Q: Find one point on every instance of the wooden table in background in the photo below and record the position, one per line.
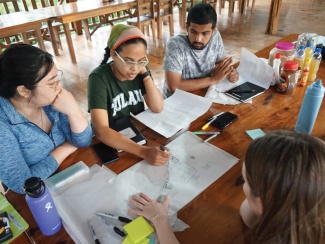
(19, 22)
(213, 216)
(80, 10)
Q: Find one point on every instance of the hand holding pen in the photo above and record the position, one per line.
(155, 156)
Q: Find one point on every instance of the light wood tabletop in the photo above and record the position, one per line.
(80, 10)
(213, 216)
(19, 22)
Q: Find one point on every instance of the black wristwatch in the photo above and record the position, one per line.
(145, 74)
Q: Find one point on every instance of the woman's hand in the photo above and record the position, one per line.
(147, 207)
(65, 102)
(155, 156)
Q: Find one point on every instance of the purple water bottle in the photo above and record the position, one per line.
(42, 206)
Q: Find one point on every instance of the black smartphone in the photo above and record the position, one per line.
(224, 120)
(105, 153)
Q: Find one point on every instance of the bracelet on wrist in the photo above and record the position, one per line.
(158, 216)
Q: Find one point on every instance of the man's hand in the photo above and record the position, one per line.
(221, 70)
(233, 76)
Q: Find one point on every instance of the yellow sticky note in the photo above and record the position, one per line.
(138, 230)
(128, 240)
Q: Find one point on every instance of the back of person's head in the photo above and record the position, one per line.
(123, 35)
(286, 170)
(202, 14)
(22, 64)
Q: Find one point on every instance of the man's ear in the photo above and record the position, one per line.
(23, 91)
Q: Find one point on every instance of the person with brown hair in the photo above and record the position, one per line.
(284, 175)
(41, 123)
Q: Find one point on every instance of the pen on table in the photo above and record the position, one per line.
(114, 228)
(120, 218)
(205, 133)
(243, 91)
(211, 137)
(212, 119)
(93, 233)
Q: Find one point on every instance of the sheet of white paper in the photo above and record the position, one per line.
(193, 166)
(251, 69)
(179, 110)
(255, 70)
(98, 191)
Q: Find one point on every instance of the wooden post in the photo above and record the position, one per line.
(272, 24)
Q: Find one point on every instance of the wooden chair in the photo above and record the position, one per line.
(231, 5)
(253, 3)
(110, 19)
(183, 12)
(144, 17)
(213, 3)
(164, 10)
(10, 6)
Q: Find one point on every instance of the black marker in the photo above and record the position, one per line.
(116, 229)
(93, 233)
(120, 218)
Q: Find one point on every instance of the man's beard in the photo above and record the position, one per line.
(198, 48)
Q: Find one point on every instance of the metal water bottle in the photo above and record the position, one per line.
(42, 206)
(310, 107)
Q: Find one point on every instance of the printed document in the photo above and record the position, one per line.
(179, 111)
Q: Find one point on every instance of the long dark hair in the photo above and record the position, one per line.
(120, 48)
(22, 64)
(286, 170)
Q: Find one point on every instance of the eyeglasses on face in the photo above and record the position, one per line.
(58, 78)
(132, 64)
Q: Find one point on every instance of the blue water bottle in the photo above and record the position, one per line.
(42, 206)
(310, 107)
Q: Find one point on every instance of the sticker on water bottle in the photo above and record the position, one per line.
(48, 206)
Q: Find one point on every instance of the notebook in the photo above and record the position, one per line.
(128, 129)
(12, 222)
(245, 91)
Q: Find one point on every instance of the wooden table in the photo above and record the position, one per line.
(213, 215)
(80, 10)
(19, 22)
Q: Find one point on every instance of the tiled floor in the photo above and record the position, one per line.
(237, 31)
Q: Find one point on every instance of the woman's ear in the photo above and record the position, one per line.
(23, 91)
(259, 205)
(112, 53)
